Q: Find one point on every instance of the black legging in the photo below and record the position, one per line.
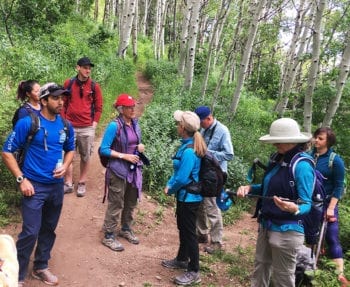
(186, 213)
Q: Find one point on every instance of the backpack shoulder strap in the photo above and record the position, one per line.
(34, 126)
(65, 127)
(71, 81)
(119, 127)
(301, 156)
(93, 89)
(331, 159)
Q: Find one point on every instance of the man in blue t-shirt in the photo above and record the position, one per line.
(40, 179)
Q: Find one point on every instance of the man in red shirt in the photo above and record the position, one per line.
(83, 108)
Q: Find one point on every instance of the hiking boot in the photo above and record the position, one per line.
(20, 284)
(46, 276)
(81, 189)
(187, 278)
(175, 264)
(202, 238)
(68, 188)
(213, 247)
(113, 244)
(129, 235)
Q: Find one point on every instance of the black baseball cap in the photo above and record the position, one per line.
(85, 61)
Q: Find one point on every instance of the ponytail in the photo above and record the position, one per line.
(25, 87)
(199, 145)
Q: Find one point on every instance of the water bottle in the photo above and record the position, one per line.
(223, 201)
(59, 163)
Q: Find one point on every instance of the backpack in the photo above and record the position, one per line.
(211, 178)
(105, 159)
(312, 221)
(330, 165)
(93, 93)
(34, 128)
(15, 116)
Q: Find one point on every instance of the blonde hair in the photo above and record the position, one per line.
(199, 145)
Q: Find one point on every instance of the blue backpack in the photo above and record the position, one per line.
(312, 221)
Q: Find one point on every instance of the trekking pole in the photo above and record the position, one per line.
(320, 240)
(234, 193)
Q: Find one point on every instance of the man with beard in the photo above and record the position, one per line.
(40, 180)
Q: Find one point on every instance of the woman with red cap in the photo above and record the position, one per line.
(121, 142)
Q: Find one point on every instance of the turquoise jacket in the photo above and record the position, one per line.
(186, 166)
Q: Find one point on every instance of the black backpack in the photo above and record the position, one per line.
(211, 178)
(105, 159)
(15, 116)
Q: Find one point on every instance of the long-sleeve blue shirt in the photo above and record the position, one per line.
(218, 140)
(334, 176)
(186, 166)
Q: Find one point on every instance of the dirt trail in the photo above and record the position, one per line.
(79, 259)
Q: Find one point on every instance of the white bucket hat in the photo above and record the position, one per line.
(285, 130)
(189, 120)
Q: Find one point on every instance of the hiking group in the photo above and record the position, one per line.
(55, 120)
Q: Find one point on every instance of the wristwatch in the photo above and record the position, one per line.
(20, 178)
(120, 155)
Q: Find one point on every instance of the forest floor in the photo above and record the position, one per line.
(79, 259)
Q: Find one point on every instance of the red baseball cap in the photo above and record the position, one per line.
(124, 100)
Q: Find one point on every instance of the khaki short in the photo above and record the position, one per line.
(84, 142)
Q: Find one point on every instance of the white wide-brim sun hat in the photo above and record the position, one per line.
(285, 130)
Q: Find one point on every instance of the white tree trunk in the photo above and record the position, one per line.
(143, 12)
(96, 11)
(134, 33)
(192, 43)
(246, 55)
(128, 15)
(292, 60)
(344, 68)
(158, 35)
(312, 77)
(184, 38)
(220, 20)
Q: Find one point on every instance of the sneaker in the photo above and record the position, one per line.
(113, 244)
(20, 284)
(68, 187)
(81, 189)
(46, 276)
(187, 278)
(129, 235)
(175, 264)
(213, 247)
(202, 238)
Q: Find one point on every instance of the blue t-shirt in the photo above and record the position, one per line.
(44, 150)
(24, 111)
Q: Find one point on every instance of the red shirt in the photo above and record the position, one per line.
(78, 109)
